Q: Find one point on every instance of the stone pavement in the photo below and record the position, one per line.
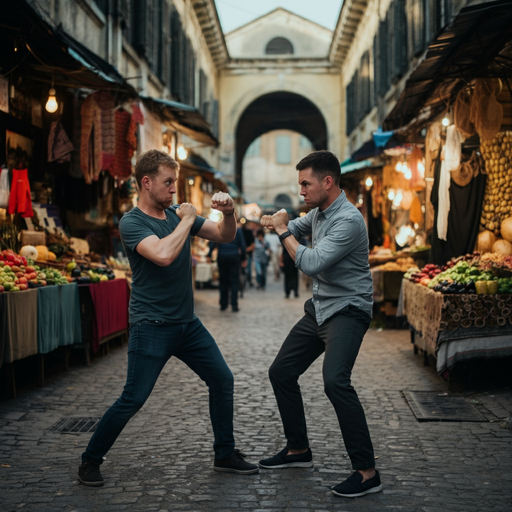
(163, 460)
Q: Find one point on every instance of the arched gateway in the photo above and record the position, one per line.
(278, 111)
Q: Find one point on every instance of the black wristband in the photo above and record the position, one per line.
(284, 235)
(230, 214)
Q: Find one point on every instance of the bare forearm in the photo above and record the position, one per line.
(167, 249)
(227, 228)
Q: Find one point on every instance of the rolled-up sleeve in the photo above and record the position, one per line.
(342, 238)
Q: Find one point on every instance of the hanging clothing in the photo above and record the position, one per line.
(451, 161)
(20, 200)
(463, 220)
(106, 104)
(59, 145)
(4, 188)
(90, 147)
(123, 164)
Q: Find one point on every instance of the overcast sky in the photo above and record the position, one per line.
(235, 13)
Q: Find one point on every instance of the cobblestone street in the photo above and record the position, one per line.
(164, 458)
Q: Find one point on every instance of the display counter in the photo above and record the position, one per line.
(457, 328)
(39, 321)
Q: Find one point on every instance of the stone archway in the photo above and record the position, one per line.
(279, 110)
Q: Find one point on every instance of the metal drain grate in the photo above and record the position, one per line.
(433, 406)
(78, 425)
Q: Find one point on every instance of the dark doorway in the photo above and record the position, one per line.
(278, 111)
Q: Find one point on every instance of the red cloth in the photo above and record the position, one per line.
(20, 200)
(110, 299)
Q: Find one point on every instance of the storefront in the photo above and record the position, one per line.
(71, 128)
(456, 112)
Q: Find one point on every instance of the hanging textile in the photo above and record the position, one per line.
(126, 140)
(90, 148)
(59, 145)
(20, 200)
(4, 188)
(106, 104)
(450, 162)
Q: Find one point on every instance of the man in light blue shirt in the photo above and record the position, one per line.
(335, 321)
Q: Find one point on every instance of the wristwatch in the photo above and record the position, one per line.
(284, 235)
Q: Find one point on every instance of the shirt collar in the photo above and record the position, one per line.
(335, 206)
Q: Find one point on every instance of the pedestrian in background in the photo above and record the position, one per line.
(261, 259)
(273, 241)
(229, 260)
(335, 321)
(156, 237)
(249, 249)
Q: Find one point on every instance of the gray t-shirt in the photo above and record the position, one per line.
(158, 293)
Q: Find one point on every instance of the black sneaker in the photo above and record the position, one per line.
(235, 463)
(281, 460)
(353, 486)
(89, 474)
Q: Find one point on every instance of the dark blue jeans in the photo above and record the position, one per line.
(340, 338)
(151, 345)
(261, 273)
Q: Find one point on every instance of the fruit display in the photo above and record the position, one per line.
(18, 274)
(85, 275)
(487, 274)
(497, 154)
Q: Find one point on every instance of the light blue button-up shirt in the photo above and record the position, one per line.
(337, 259)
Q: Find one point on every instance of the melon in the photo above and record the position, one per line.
(29, 252)
(42, 252)
(502, 247)
(506, 229)
(485, 241)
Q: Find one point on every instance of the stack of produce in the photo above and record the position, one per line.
(84, 275)
(497, 154)
(18, 274)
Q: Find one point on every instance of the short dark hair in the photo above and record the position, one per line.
(323, 163)
(148, 164)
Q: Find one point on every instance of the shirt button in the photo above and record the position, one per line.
(318, 302)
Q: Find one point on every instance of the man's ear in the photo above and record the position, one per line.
(145, 182)
(328, 182)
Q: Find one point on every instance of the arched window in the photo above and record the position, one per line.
(279, 46)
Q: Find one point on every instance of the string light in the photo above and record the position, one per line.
(391, 195)
(445, 121)
(52, 105)
(408, 174)
(369, 181)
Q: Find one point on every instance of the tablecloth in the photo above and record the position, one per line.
(110, 299)
(455, 328)
(19, 325)
(58, 317)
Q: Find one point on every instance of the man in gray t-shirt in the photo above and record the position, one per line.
(156, 237)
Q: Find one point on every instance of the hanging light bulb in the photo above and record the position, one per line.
(398, 167)
(391, 195)
(445, 121)
(51, 104)
(369, 181)
(408, 174)
(182, 153)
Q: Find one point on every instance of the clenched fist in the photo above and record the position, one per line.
(187, 211)
(223, 202)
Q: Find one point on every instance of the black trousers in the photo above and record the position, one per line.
(340, 337)
(229, 280)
